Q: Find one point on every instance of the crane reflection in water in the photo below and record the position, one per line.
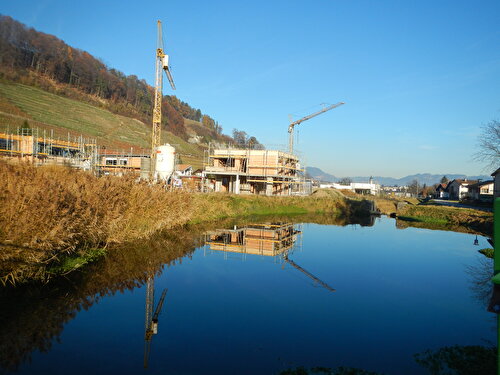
(270, 239)
(151, 325)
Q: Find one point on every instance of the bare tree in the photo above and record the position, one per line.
(489, 145)
(413, 187)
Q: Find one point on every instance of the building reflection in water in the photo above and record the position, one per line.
(259, 239)
(276, 240)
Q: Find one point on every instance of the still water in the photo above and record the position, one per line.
(259, 299)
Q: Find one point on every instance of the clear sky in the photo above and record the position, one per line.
(419, 78)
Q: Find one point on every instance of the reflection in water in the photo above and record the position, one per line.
(262, 239)
(459, 360)
(33, 317)
(270, 239)
(328, 371)
(480, 275)
(469, 359)
(151, 325)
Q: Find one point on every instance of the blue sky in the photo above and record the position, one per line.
(419, 78)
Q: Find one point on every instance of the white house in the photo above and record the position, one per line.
(481, 191)
(442, 191)
(459, 189)
(496, 184)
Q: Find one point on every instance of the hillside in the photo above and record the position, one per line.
(61, 115)
(63, 89)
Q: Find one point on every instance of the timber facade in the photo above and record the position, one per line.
(266, 172)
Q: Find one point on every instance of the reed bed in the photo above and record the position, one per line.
(48, 213)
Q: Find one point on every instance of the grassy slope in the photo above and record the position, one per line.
(62, 115)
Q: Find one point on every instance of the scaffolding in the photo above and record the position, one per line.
(43, 147)
(250, 171)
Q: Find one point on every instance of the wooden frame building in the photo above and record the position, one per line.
(266, 172)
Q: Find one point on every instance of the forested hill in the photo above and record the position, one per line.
(34, 58)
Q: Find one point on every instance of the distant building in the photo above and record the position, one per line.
(496, 184)
(266, 172)
(442, 191)
(459, 189)
(481, 191)
(358, 187)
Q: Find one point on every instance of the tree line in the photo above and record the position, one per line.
(24, 50)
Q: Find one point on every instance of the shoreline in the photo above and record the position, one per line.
(54, 220)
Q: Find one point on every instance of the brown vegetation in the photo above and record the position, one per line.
(48, 213)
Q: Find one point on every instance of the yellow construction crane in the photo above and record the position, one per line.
(161, 64)
(292, 124)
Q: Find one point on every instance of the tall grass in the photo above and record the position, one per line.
(51, 212)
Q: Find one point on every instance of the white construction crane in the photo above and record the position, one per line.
(161, 64)
(292, 124)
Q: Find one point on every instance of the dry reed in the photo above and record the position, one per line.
(48, 212)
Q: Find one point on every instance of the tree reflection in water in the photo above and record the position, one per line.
(328, 371)
(472, 359)
(32, 316)
(460, 360)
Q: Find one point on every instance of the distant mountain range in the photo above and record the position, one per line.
(422, 178)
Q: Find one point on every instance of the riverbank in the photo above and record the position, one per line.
(412, 212)
(439, 217)
(51, 214)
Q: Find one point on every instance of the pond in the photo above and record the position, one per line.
(258, 298)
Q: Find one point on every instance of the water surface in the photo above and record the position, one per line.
(228, 311)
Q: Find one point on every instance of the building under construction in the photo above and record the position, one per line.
(247, 171)
(120, 163)
(42, 147)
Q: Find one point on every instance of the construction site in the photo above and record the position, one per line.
(246, 171)
(41, 147)
(227, 169)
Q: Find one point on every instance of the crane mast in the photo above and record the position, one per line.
(292, 124)
(161, 64)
